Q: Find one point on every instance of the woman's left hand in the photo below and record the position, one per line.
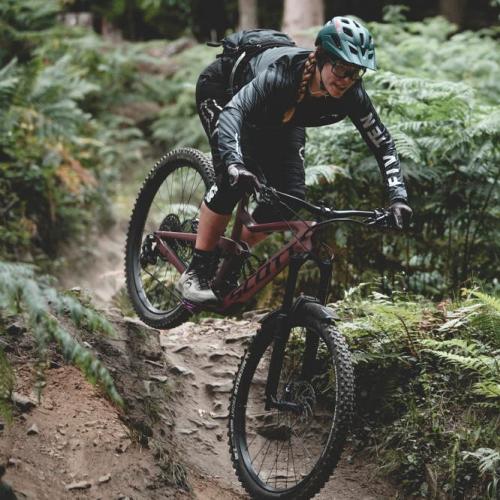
(402, 213)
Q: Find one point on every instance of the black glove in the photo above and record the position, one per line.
(402, 213)
(239, 175)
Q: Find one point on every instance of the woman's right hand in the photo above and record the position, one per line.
(240, 176)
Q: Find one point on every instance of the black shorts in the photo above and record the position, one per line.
(277, 153)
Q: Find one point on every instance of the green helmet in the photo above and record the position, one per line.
(346, 39)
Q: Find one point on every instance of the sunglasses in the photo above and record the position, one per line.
(342, 70)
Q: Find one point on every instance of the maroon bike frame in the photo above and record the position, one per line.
(301, 243)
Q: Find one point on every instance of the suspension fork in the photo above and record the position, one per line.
(312, 340)
(281, 325)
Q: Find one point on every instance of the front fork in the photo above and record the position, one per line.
(281, 325)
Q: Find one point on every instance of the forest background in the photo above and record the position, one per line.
(91, 93)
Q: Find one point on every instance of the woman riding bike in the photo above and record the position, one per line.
(261, 129)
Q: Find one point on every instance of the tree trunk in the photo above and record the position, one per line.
(248, 14)
(453, 10)
(299, 15)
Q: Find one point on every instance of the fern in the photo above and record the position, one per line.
(474, 358)
(318, 174)
(21, 291)
(488, 461)
(6, 384)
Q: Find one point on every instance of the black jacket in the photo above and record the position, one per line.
(268, 88)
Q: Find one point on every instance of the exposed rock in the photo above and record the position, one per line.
(180, 370)
(215, 356)
(33, 430)
(181, 348)
(104, 479)
(187, 432)
(219, 387)
(159, 378)
(210, 425)
(219, 415)
(223, 374)
(208, 321)
(81, 485)
(154, 363)
(122, 447)
(15, 329)
(243, 338)
(24, 403)
(195, 422)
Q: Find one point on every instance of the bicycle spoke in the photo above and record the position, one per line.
(173, 207)
(264, 459)
(285, 446)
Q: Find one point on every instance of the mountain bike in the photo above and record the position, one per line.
(292, 398)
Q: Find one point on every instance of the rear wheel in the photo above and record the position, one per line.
(290, 452)
(169, 200)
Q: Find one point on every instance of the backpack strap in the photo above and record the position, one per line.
(247, 54)
(236, 65)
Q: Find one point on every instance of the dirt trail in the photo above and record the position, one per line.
(205, 356)
(99, 268)
(176, 384)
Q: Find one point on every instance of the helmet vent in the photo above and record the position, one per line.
(345, 21)
(357, 25)
(348, 31)
(336, 40)
(362, 38)
(354, 50)
(370, 55)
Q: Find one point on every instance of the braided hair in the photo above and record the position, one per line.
(307, 74)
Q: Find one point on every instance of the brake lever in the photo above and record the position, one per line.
(382, 218)
(264, 194)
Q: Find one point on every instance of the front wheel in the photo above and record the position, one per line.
(284, 454)
(169, 200)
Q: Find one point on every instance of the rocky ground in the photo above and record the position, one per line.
(170, 442)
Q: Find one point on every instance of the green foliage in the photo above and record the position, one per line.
(146, 19)
(6, 384)
(428, 388)
(178, 123)
(23, 292)
(24, 24)
(437, 93)
(61, 149)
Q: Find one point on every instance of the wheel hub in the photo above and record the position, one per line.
(303, 395)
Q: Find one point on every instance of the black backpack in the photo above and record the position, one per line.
(239, 47)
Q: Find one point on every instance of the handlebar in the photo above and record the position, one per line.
(378, 218)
